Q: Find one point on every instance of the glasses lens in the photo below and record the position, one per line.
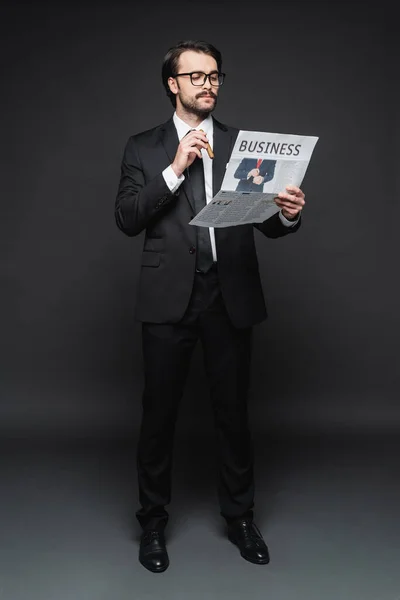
(197, 78)
(214, 79)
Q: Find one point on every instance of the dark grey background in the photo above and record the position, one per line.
(78, 80)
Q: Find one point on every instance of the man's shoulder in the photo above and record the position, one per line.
(149, 135)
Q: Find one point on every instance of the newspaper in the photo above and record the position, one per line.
(261, 165)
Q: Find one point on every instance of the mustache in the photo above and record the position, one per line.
(206, 94)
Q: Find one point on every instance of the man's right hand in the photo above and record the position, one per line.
(253, 173)
(189, 147)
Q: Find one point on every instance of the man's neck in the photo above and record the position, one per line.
(190, 118)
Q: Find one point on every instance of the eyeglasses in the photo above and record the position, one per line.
(199, 78)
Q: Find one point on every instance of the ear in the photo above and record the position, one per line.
(173, 86)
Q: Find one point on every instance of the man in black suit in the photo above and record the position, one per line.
(195, 283)
(253, 173)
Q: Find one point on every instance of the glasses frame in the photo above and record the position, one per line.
(206, 75)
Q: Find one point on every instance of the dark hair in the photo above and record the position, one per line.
(171, 59)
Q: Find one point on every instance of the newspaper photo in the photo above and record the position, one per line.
(262, 165)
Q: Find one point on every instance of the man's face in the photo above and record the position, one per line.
(199, 100)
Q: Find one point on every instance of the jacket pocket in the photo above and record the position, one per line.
(150, 259)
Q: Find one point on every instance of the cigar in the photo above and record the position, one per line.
(209, 150)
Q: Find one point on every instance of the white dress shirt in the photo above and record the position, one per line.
(173, 182)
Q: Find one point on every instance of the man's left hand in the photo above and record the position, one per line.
(291, 202)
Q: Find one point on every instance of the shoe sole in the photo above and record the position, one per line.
(255, 562)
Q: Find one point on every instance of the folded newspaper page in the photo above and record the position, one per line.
(262, 165)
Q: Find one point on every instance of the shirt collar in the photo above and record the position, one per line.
(182, 128)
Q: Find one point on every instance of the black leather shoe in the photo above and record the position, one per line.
(247, 537)
(153, 552)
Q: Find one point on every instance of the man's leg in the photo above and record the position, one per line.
(167, 350)
(227, 353)
(227, 356)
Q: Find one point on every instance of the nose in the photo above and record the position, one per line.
(207, 84)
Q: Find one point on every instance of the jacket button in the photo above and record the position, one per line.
(192, 250)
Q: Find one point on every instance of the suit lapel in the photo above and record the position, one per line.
(170, 141)
(223, 145)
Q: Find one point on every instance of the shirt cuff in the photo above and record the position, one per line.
(171, 179)
(286, 221)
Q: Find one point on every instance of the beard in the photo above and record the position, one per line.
(192, 104)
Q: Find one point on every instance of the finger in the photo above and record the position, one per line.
(197, 135)
(199, 139)
(201, 132)
(291, 198)
(287, 206)
(290, 206)
(288, 197)
(196, 151)
(294, 190)
(195, 143)
(187, 144)
(293, 212)
(195, 132)
(279, 202)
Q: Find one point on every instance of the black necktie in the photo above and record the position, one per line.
(204, 257)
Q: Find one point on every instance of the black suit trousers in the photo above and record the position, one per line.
(167, 351)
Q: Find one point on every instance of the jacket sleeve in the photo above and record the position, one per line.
(243, 169)
(269, 170)
(138, 202)
(274, 228)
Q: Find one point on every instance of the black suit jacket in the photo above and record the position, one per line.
(145, 203)
(267, 170)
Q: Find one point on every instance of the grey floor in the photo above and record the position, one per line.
(327, 507)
